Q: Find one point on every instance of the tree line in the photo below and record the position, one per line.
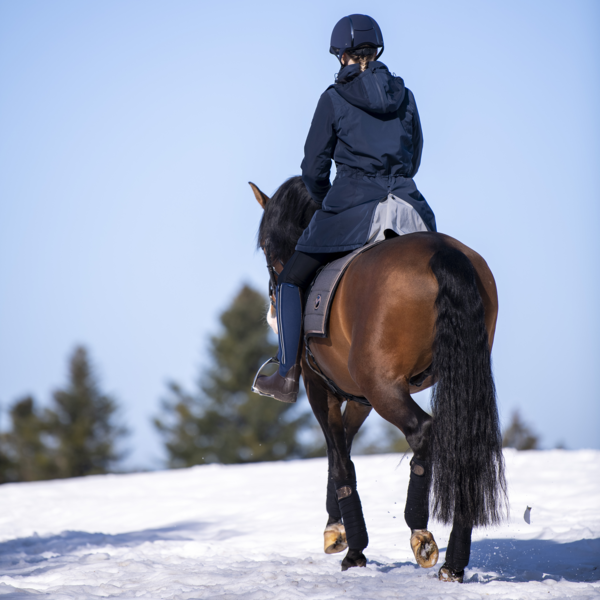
(81, 430)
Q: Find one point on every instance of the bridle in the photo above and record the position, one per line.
(272, 283)
(273, 276)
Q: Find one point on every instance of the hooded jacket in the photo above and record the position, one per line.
(369, 125)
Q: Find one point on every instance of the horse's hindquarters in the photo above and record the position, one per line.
(383, 314)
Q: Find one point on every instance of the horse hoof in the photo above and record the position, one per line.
(354, 558)
(335, 538)
(424, 547)
(447, 574)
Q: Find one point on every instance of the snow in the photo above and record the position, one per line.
(255, 532)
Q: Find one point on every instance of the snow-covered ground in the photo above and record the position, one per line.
(254, 532)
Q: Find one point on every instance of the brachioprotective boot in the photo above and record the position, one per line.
(284, 384)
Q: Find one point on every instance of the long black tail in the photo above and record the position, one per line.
(468, 484)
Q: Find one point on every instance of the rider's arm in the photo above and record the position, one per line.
(318, 150)
(417, 138)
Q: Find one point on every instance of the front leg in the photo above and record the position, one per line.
(335, 533)
(354, 523)
(342, 493)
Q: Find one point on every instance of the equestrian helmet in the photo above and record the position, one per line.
(354, 31)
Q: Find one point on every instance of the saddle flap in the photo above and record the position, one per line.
(320, 296)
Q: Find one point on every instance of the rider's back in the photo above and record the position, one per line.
(376, 123)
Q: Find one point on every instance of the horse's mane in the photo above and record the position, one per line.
(286, 216)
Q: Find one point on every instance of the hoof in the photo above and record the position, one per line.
(447, 574)
(424, 547)
(354, 558)
(335, 538)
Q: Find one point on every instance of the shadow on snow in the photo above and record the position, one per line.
(35, 554)
(534, 560)
(507, 560)
(519, 561)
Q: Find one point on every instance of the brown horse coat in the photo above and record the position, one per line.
(386, 300)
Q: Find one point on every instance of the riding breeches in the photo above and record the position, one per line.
(300, 269)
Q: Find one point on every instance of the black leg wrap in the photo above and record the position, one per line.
(352, 516)
(332, 506)
(459, 548)
(416, 513)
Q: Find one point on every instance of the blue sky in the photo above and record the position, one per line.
(129, 131)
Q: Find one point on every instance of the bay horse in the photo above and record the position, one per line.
(416, 310)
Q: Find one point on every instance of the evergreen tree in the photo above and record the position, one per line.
(26, 454)
(82, 420)
(519, 435)
(224, 421)
(6, 465)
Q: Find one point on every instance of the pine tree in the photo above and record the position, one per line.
(519, 435)
(224, 421)
(6, 465)
(27, 453)
(83, 422)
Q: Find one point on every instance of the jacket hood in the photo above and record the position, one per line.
(375, 89)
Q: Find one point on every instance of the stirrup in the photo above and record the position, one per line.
(273, 360)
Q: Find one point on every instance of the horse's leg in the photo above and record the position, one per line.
(335, 534)
(327, 409)
(355, 415)
(394, 403)
(457, 555)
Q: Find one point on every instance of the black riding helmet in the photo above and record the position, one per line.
(354, 31)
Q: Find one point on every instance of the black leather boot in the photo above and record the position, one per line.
(284, 389)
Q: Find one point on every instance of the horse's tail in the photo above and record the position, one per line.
(468, 484)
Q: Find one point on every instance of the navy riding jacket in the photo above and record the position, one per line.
(368, 123)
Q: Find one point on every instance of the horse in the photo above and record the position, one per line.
(415, 311)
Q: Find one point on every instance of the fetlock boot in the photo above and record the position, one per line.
(284, 384)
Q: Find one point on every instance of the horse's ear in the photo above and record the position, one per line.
(261, 198)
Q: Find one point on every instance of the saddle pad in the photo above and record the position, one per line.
(320, 296)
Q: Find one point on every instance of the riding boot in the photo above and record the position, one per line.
(284, 384)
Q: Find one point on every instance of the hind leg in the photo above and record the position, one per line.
(457, 555)
(394, 403)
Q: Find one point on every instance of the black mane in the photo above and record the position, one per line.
(286, 216)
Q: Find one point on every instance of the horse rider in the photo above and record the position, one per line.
(368, 123)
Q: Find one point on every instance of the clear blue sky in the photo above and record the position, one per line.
(129, 130)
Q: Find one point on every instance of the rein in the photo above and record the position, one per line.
(272, 284)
